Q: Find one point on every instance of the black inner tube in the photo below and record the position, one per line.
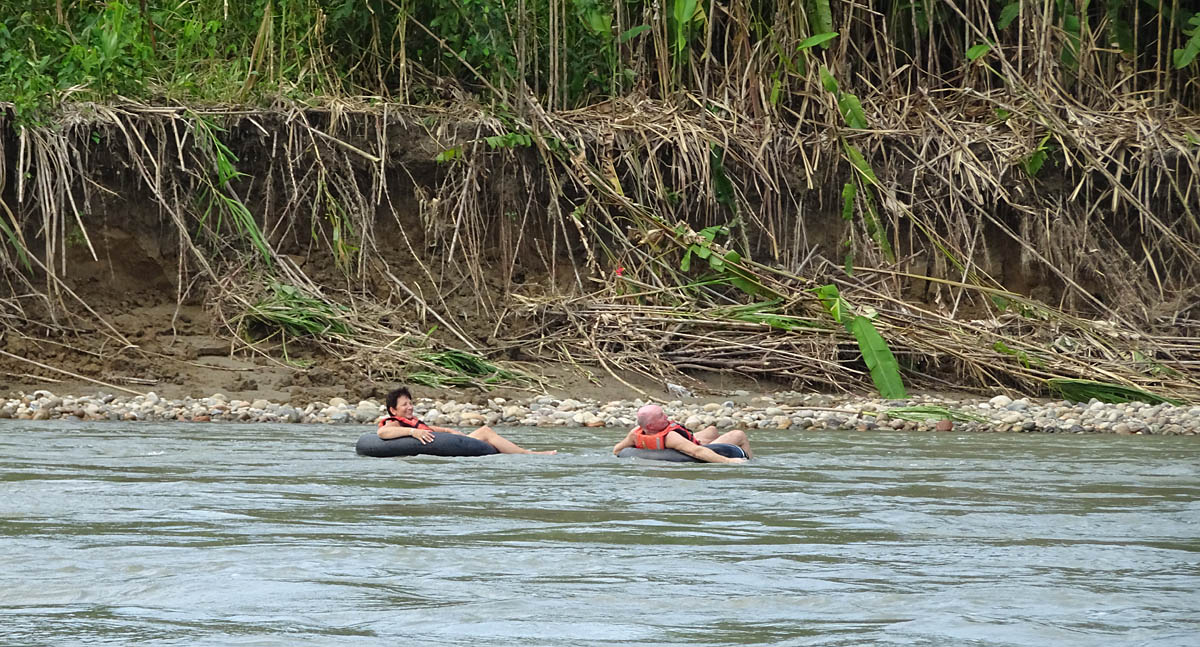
(443, 444)
(724, 449)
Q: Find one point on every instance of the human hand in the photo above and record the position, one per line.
(735, 460)
(423, 435)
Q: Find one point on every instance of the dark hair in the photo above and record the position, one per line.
(394, 396)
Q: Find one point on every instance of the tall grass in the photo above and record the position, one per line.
(571, 53)
(700, 146)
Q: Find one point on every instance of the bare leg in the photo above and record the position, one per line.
(504, 445)
(707, 435)
(735, 437)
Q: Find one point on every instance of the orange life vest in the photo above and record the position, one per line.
(646, 440)
(411, 423)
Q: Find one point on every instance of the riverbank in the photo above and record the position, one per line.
(783, 411)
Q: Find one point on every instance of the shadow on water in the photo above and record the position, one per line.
(276, 534)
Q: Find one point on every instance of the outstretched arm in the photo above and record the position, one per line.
(627, 441)
(698, 452)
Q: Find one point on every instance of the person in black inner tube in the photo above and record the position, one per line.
(401, 422)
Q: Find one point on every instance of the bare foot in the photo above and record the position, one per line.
(549, 453)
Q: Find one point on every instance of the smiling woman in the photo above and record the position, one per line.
(401, 433)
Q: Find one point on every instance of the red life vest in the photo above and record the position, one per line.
(411, 423)
(646, 440)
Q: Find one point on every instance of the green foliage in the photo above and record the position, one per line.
(722, 187)
(107, 54)
(976, 51)
(683, 13)
(767, 312)
(1024, 358)
(820, 16)
(885, 370)
(726, 265)
(1033, 163)
(567, 52)
(458, 368)
(508, 140)
(11, 235)
(1086, 390)
(932, 412)
(1184, 56)
(218, 199)
(289, 312)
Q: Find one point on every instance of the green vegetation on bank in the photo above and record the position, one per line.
(566, 53)
(681, 157)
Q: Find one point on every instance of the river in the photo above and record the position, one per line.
(195, 534)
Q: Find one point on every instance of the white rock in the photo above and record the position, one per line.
(1000, 401)
(338, 402)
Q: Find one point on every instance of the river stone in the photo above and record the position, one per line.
(695, 423)
(1000, 401)
(260, 404)
(1011, 418)
(338, 402)
(781, 422)
(569, 405)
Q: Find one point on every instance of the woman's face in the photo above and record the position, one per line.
(403, 408)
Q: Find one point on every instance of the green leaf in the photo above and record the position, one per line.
(448, 155)
(885, 370)
(932, 412)
(1034, 162)
(633, 32)
(834, 304)
(859, 162)
(852, 111)
(820, 16)
(976, 51)
(686, 263)
(722, 187)
(828, 81)
(1084, 390)
(813, 41)
(1008, 14)
(849, 192)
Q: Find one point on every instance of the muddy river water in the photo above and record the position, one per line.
(193, 534)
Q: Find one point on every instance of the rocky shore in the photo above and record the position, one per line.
(779, 411)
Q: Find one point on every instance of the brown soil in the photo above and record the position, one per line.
(175, 359)
(176, 350)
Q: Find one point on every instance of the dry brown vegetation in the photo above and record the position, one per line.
(1004, 218)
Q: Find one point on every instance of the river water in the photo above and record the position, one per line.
(193, 534)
